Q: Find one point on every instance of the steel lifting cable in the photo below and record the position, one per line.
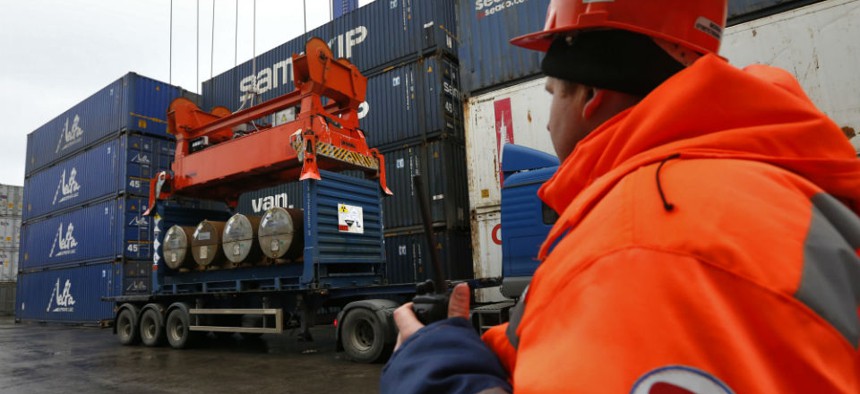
(212, 45)
(170, 45)
(236, 38)
(197, 83)
(254, 54)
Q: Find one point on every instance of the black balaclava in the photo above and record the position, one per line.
(610, 59)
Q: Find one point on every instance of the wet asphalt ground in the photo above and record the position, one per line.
(39, 359)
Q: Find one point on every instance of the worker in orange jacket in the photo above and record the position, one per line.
(708, 234)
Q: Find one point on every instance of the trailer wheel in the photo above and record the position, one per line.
(178, 329)
(126, 327)
(152, 328)
(363, 337)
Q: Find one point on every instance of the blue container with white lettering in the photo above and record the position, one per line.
(108, 229)
(413, 103)
(121, 166)
(487, 60)
(131, 103)
(69, 294)
(374, 37)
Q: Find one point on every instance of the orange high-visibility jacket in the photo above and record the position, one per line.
(707, 242)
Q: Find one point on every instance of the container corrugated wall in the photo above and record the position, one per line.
(378, 35)
(10, 228)
(287, 195)
(8, 265)
(121, 166)
(11, 200)
(7, 298)
(103, 230)
(442, 164)
(132, 103)
(486, 57)
(68, 295)
(408, 261)
(414, 102)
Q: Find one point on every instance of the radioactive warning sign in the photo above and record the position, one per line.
(350, 219)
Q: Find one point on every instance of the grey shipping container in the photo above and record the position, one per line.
(132, 102)
(120, 166)
(10, 230)
(373, 37)
(442, 164)
(414, 102)
(68, 295)
(408, 260)
(11, 200)
(8, 265)
(7, 298)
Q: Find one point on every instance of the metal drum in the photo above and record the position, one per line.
(175, 249)
(206, 243)
(280, 233)
(239, 239)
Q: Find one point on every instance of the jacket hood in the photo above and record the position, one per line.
(709, 110)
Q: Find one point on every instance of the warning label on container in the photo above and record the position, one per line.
(350, 219)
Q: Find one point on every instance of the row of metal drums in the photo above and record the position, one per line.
(277, 235)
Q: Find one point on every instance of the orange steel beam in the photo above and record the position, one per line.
(230, 164)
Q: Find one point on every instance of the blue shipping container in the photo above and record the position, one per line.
(442, 164)
(487, 60)
(413, 103)
(109, 229)
(68, 295)
(131, 103)
(373, 37)
(121, 166)
(408, 261)
(341, 7)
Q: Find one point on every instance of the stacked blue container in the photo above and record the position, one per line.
(413, 114)
(84, 236)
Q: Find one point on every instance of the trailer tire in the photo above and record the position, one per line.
(178, 328)
(363, 337)
(127, 328)
(152, 328)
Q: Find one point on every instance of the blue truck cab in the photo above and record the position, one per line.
(526, 220)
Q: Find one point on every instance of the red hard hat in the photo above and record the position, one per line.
(695, 24)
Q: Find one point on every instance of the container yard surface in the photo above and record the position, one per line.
(63, 359)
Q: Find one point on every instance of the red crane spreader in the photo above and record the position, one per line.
(220, 155)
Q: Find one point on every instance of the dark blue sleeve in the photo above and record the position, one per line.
(447, 356)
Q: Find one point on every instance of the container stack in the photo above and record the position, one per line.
(86, 186)
(11, 202)
(413, 115)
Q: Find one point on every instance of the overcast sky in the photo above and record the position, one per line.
(55, 53)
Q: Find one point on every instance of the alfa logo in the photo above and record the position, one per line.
(70, 135)
(138, 221)
(64, 243)
(62, 302)
(141, 159)
(67, 189)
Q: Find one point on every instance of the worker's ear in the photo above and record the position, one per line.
(592, 102)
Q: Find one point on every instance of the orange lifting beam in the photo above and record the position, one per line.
(216, 161)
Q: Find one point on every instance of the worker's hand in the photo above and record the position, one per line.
(408, 324)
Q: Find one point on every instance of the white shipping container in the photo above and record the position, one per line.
(487, 250)
(517, 114)
(7, 232)
(5, 200)
(19, 201)
(819, 44)
(8, 265)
